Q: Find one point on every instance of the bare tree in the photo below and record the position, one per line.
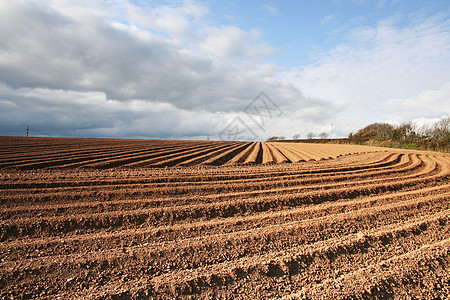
(323, 135)
(441, 130)
(296, 136)
(275, 138)
(310, 135)
(385, 131)
(402, 131)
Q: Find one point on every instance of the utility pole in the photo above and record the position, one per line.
(28, 129)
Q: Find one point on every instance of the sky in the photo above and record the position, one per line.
(230, 70)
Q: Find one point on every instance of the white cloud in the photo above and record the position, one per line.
(272, 10)
(122, 60)
(178, 21)
(427, 103)
(424, 123)
(327, 19)
(92, 74)
(391, 71)
(231, 41)
(112, 68)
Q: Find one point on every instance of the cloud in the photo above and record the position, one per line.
(272, 10)
(69, 70)
(231, 41)
(178, 21)
(429, 103)
(327, 19)
(51, 50)
(394, 70)
(425, 123)
(113, 68)
(51, 112)
(70, 113)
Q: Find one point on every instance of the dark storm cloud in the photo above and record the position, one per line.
(62, 113)
(75, 72)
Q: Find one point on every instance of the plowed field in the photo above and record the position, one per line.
(147, 219)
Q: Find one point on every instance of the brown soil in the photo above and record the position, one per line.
(136, 219)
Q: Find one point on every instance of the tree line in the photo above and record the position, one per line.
(406, 135)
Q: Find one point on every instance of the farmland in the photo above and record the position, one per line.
(160, 219)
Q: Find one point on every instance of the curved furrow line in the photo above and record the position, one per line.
(32, 147)
(189, 157)
(201, 252)
(300, 262)
(130, 148)
(133, 204)
(207, 229)
(18, 158)
(386, 160)
(202, 158)
(171, 158)
(242, 156)
(167, 185)
(444, 162)
(275, 189)
(105, 159)
(263, 185)
(118, 161)
(289, 154)
(278, 157)
(63, 144)
(209, 210)
(328, 150)
(152, 202)
(303, 155)
(57, 159)
(318, 152)
(293, 262)
(267, 157)
(48, 162)
(227, 155)
(407, 276)
(242, 220)
(41, 159)
(254, 157)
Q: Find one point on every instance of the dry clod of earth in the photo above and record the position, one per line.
(155, 219)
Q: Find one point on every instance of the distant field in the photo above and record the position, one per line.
(36, 153)
(148, 219)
